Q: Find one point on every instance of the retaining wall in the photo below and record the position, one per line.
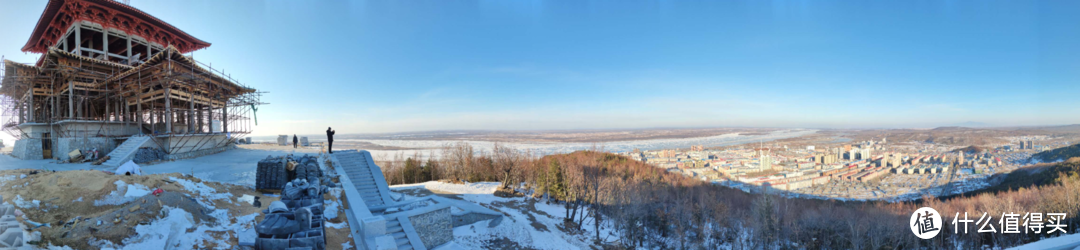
(434, 228)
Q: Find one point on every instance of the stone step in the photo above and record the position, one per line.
(394, 229)
(372, 201)
(125, 151)
(402, 241)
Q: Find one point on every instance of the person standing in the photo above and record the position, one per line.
(330, 140)
(294, 141)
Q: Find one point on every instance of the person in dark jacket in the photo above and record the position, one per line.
(294, 141)
(330, 140)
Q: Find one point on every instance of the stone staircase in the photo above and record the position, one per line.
(393, 228)
(126, 151)
(365, 176)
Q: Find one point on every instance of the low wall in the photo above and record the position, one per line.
(470, 218)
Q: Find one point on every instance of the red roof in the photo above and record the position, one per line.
(60, 14)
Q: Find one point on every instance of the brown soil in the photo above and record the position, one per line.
(335, 236)
(57, 192)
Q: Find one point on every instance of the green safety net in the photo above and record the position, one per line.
(254, 113)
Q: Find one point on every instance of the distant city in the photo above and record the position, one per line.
(866, 170)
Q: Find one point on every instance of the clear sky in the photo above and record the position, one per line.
(413, 65)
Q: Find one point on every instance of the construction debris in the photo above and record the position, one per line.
(102, 160)
(75, 156)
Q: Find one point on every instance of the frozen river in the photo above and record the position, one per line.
(616, 146)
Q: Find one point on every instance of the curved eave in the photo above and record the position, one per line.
(54, 6)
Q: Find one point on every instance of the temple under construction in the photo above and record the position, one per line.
(116, 79)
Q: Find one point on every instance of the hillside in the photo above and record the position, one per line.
(1033, 176)
(1058, 154)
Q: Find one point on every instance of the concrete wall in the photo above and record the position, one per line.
(192, 143)
(34, 130)
(197, 153)
(470, 218)
(27, 149)
(98, 128)
(63, 146)
(434, 228)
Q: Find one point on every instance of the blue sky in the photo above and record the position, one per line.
(392, 66)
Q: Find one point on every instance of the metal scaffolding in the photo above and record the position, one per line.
(167, 95)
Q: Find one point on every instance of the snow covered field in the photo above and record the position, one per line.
(529, 223)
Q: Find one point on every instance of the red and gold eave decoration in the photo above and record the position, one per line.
(60, 14)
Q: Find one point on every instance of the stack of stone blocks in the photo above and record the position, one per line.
(302, 197)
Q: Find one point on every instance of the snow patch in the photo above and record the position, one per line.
(164, 233)
(331, 211)
(206, 193)
(338, 225)
(467, 188)
(170, 232)
(20, 202)
(1063, 242)
(201, 189)
(124, 193)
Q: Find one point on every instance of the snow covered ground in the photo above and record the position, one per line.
(234, 166)
(529, 223)
(1066, 242)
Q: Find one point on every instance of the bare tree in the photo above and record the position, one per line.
(506, 160)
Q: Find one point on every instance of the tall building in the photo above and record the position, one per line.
(697, 148)
(896, 160)
(764, 160)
